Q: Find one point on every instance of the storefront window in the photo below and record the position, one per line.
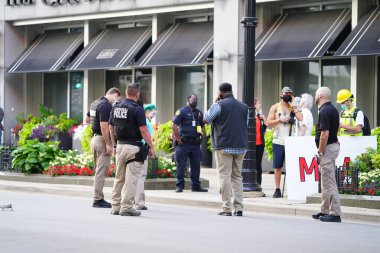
(144, 78)
(189, 80)
(336, 74)
(302, 77)
(119, 79)
(76, 96)
(55, 91)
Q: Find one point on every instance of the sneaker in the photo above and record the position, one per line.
(101, 204)
(178, 189)
(199, 189)
(238, 213)
(132, 212)
(277, 193)
(141, 208)
(330, 218)
(225, 213)
(115, 212)
(316, 216)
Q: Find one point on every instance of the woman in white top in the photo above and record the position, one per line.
(306, 125)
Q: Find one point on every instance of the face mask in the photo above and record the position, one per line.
(344, 107)
(287, 98)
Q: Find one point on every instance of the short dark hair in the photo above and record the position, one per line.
(225, 87)
(113, 90)
(133, 89)
(189, 96)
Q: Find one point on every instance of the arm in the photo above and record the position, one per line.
(323, 141)
(298, 114)
(271, 120)
(106, 136)
(176, 133)
(146, 135)
(303, 130)
(113, 138)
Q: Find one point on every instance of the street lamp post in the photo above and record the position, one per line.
(249, 22)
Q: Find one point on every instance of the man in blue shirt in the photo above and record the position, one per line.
(189, 120)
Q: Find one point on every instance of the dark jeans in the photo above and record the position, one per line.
(259, 159)
(193, 153)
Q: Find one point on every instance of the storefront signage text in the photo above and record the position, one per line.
(52, 3)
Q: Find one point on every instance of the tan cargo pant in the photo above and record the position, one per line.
(126, 177)
(101, 164)
(231, 180)
(330, 194)
(140, 190)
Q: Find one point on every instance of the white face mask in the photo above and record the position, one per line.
(153, 121)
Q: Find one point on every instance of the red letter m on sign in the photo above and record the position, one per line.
(309, 170)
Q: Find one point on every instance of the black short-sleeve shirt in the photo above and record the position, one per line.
(104, 110)
(328, 119)
(184, 118)
(138, 113)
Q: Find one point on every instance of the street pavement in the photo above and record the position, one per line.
(211, 199)
(49, 223)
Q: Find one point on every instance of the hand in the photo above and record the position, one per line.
(218, 99)
(151, 153)
(114, 151)
(341, 126)
(179, 142)
(109, 149)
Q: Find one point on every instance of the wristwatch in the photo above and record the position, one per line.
(320, 153)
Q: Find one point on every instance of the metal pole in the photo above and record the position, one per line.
(249, 171)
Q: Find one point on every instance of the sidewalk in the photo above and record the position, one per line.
(263, 205)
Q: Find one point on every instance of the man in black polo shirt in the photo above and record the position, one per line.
(328, 150)
(101, 147)
(128, 128)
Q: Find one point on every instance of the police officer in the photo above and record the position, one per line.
(100, 143)
(128, 128)
(350, 124)
(190, 122)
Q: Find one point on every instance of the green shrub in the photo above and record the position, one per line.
(208, 137)
(86, 139)
(364, 162)
(162, 138)
(376, 131)
(35, 156)
(25, 132)
(268, 138)
(64, 124)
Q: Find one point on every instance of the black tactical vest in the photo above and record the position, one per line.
(122, 117)
(94, 115)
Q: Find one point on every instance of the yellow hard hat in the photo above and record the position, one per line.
(343, 95)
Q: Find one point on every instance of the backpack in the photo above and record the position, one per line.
(366, 128)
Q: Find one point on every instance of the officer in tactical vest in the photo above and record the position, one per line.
(101, 146)
(349, 124)
(191, 126)
(128, 128)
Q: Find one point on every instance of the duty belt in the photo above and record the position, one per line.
(134, 143)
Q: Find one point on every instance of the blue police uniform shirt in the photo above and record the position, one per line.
(184, 118)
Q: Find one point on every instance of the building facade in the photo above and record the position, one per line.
(66, 53)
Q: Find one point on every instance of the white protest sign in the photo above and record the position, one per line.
(302, 168)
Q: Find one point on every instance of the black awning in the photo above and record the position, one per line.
(49, 52)
(181, 44)
(365, 38)
(301, 35)
(113, 48)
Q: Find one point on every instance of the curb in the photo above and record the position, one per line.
(298, 210)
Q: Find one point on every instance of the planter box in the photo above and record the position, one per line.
(66, 141)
